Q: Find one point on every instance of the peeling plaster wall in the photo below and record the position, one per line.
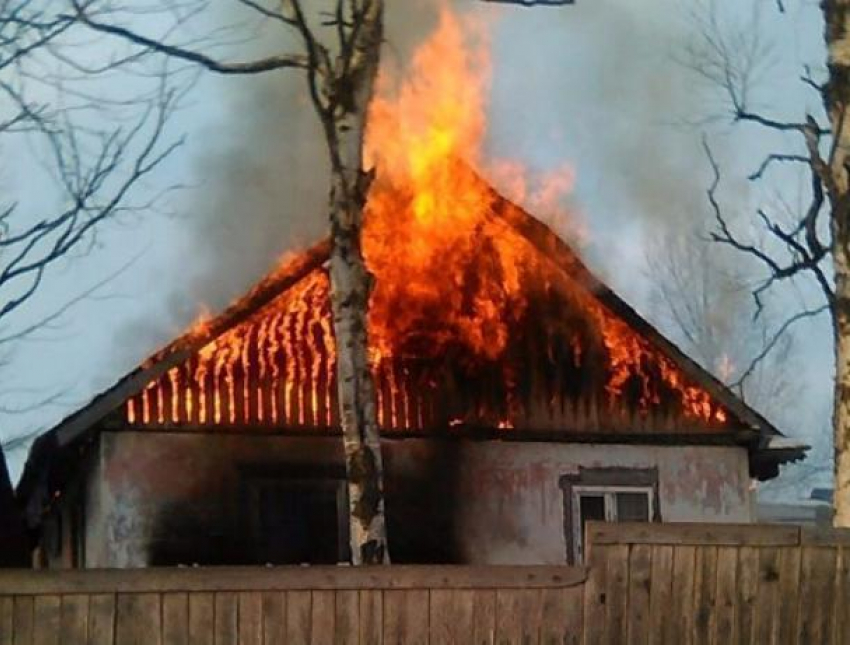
(164, 498)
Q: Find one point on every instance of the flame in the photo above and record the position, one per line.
(461, 297)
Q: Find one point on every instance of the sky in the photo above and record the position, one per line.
(598, 85)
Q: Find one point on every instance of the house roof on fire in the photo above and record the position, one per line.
(661, 374)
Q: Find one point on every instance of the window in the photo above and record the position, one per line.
(297, 520)
(607, 504)
(607, 495)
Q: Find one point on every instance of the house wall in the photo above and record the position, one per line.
(166, 498)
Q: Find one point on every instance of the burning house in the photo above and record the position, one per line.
(517, 395)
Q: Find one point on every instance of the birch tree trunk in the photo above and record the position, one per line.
(351, 285)
(836, 96)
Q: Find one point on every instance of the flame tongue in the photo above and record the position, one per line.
(429, 238)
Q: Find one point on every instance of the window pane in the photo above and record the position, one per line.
(632, 507)
(591, 507)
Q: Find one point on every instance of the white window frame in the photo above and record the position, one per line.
(609, 494)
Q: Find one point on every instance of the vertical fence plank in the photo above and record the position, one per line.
(705, 588)
(561, 616)
(594, 597)
(484, 617)
(681, 612)
(7, 619)
(250, 618)
(726, 622)
(508, 617)
(323, 616)
(817, 582)
(226, 617)
(274, 617)
(137, 619)
(842, 616)
(371, 617)
(23, 630)
(789, 590)
(640, 570)
(451, 613)
(347, 618)
(47, 612)
(747, 587)
(201, 618)
(616, 581)
(74, 619)
(102, 619)
(766, 614)
(660, 599)
(298, 617)
(405, 617)
(175, 619)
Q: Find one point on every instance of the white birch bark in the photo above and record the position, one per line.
(836, 96)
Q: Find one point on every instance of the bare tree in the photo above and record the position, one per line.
(813, 239)
(90, 172)
(701, 297)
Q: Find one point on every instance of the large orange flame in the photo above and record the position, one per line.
(460, 294)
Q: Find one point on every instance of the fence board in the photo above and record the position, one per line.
(322, 618)
(47, 613)
(705, 588)
(250, 618)
(299, 617)
(137, 619)
(274, 617)
(817, 580)
(484, 617)
(74, 619)
(346, 618)
(561, 616)
(451, 613)
(7, 619)
(680, 614)
(405, 617)
(661, 576)
(102, 619)
(789, 590)
(509, 617)
(23, 630)
(175, 618)
(748, 567)
(594, 597)
(201, 618)
(766, 616)
(371, 617)
(640, 571)
(616, 600)
(226, 618)
(842, 598)
(726, 620)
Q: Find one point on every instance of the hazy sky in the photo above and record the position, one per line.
(595, 84)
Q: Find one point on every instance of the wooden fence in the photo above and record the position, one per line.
(717, 584)
(645, 583)
(291, 605)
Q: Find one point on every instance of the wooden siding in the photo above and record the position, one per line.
(681, 584)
